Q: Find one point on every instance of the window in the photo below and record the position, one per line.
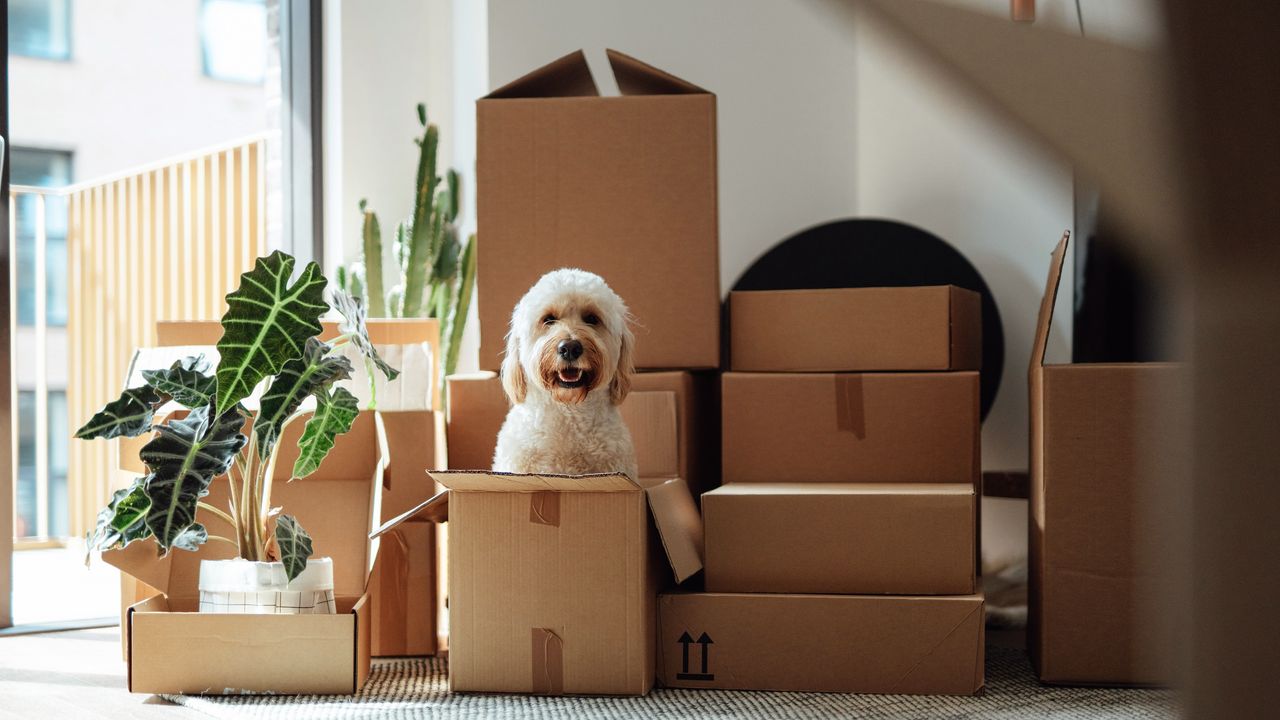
(27, 490)
(41, 168)
(40, 28)
(233, 40)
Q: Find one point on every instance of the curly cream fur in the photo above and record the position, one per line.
(556, 426)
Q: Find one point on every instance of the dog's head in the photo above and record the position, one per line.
(569, 338)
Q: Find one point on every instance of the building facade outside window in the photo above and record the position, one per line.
(51, 169)
(231, 34)
(40, 29)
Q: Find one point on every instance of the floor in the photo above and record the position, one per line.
(53, 585)
(77, 674)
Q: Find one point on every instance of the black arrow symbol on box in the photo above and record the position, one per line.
(705, 642)
(685, 641)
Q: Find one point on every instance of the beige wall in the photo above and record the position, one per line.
(133, 92)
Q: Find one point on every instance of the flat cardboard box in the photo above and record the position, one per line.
(838, 538)
(478, 407)
(1101, 436)
(851, 427)
(855, 329)
(624, 187)
(172, 648)
(822, 643)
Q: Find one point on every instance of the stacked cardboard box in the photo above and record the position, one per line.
(841, 553)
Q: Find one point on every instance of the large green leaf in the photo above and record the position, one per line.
(294, 544)
(184, 381)
(122, 521)
(334, 415)
(353, 324)
(128, 415)
(184, 458)
(192, 538)
(315, 371)
(267, 324)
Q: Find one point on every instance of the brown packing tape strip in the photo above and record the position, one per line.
(548, 662)
(850, 414)
(544, 508)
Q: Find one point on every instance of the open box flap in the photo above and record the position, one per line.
(338, 505)
(1047, 302)
(679, 526)
(568, 76)
(638, 78)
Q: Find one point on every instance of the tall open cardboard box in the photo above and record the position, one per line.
(553, 579)
(624, 187)
(1102, 435)
(172, 648)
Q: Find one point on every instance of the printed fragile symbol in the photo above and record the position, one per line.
(704, 642)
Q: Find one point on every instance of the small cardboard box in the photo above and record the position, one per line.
(854, 539)
(851, 427)
(624, 187)
(478, 407)
(171, 648)
(879, 328)
(1107, 441)
(822, 643)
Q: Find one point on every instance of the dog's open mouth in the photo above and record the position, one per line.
(572, 377)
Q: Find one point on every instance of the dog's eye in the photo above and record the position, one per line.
(591, 319)
(549, 319)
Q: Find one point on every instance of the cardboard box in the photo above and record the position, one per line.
(174, 649)
(874, 427)
(405, 576)
(624, 187)
(560, 581)
(871, 538)
(478, 407)
(855, 329)
(404, 588)
(1101, 436)
(822, 643)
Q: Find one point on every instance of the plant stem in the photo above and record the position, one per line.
(229, 541)
(225, 517)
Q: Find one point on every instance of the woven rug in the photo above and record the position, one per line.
(418, 688)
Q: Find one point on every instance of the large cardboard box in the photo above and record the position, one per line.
(1105, 440)
(869, 538)
(855, 329)
(851, 427)
(822, 643)
(558, 575)
(624, 187)
(172, 648)
(478, 407)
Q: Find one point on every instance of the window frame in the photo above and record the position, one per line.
(68, 54)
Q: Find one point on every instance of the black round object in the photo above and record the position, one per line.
(879, 253)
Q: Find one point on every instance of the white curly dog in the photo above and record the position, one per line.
(568, 366)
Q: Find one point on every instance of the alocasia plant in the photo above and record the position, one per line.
(270, 335)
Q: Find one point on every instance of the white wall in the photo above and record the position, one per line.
(133, 92)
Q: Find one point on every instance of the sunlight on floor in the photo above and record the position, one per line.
(53, 585)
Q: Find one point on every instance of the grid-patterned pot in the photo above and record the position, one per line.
(262, 588)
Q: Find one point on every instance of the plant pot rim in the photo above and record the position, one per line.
(241, 575)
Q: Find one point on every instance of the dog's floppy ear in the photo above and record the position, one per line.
(621, 384)
(513, 380)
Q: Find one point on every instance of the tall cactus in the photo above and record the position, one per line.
(436, 273)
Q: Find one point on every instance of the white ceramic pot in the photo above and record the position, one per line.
(261, 588)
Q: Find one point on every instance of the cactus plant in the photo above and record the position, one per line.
(436, 272)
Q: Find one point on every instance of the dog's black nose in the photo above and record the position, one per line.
(569, 349)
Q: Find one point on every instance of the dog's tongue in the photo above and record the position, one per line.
(570, 375)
